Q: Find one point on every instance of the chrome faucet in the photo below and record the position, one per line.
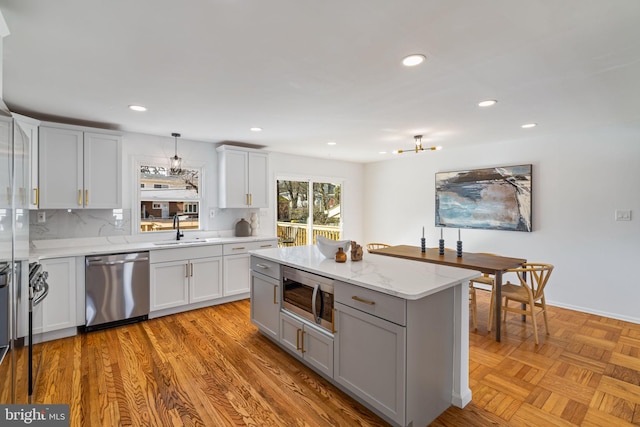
(176, 220)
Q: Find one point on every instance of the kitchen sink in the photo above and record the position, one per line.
(180, 242)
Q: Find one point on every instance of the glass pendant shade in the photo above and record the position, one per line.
(175, 166)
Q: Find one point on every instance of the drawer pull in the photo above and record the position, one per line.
(237, 249)
(262, 266)
(266, 246)
(364, 301)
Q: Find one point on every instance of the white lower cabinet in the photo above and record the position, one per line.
(237, 278)
(59, 307)
(370, 359)
(307, 342)
(184, 276)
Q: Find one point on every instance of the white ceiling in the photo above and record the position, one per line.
(309, 72)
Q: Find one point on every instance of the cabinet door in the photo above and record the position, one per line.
(169, 284)
(205, 281)
(27, 135)
(265, 304)
(59, 307)
(237, 276)
(291, 334)
(258, 180)
(60, 168)
(234, 187)
(304, 341)
(102, 171)
(380, 377)
(5, 167)
(318, 350)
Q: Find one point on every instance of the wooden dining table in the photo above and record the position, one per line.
(484, 263)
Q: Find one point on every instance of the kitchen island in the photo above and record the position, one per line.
(399, 336)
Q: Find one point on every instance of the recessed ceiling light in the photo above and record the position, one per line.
(137, 108)
(529, 125)
(256, 129)
(487, 103)
(331, 143)
(413, 60)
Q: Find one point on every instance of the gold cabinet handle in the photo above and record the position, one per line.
(246, 199)
(238, 249)
(298, 339)
(275, 292)
(250, 199)
(86, 197)
(9, 195)
(191, 264)
(80, 197)
(302, 346)
(266, 246)
(37, 193)
(186, 270)
(364, 301)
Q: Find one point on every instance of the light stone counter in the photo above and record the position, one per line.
(406, 279)
(59, 248)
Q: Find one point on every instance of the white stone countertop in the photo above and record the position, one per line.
(410, 280)
(58, 248)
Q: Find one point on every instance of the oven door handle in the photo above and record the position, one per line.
(43, 295)
(316, 288)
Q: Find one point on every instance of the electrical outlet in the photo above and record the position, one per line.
(623, 215)
(42, 218)
(212, 213)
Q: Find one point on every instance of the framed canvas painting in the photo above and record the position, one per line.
(493, 198)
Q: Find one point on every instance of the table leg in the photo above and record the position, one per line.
(498, 302)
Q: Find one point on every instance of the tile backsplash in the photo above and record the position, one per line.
(72, 223)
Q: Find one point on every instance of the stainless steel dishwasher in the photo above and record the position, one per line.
(116, 289)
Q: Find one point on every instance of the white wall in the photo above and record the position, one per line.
(307, 167)
(200, 154)
(579, 180)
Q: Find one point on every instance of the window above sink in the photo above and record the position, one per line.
(162, 196)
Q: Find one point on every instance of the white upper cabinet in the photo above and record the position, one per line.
(242, 177)
(6, 167)
(25, 136)
(79, 169)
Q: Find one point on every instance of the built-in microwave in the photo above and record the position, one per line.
(309, 296)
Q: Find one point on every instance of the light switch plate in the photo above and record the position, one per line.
(623, 215)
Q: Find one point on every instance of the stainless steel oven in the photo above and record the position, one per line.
(308, 295)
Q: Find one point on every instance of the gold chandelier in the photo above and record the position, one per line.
(419, 147)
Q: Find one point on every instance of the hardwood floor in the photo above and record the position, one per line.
(211, 367)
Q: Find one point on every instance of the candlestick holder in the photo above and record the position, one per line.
(459, 248)
(423, 245)
(441, 247)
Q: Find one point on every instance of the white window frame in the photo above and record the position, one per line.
(140, 161)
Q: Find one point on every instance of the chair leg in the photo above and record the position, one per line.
(474, 307)
(544, 315)
(491, 308)
(533, 320)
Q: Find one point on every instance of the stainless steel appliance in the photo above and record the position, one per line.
(38, 291)
(116, 289)
(308, 295)
(5, 309)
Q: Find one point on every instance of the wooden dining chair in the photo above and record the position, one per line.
(485, 282)
(374, 246)
(529, 294)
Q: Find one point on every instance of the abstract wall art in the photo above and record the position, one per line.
(493, 198)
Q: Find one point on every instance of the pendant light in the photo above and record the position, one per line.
(176, 162)
(419, 147)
